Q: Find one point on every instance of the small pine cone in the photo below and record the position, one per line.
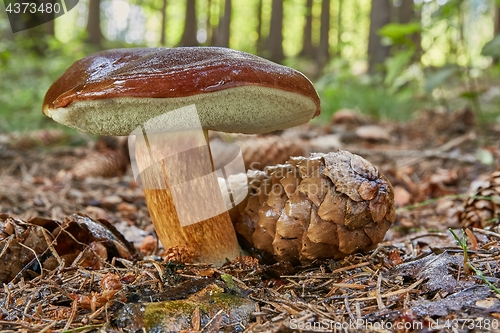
(483, 209)
(106, 163)
(323, 206)
(43, 138)
(112, 143)
(179, 255)
(259, 152)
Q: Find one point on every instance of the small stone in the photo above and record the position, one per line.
(111, 201)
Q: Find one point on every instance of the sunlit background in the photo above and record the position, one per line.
(140, 24)
(425, 53)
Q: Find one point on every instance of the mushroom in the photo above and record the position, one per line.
(167, 100)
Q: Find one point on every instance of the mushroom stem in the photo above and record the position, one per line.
(183, 195)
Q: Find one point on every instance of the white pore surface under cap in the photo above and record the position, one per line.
(246, 109)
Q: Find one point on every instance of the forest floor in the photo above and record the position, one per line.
(106, 272)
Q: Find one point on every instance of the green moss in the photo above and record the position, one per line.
(156, 313)
(227, 301)
(176, 314)
(228, 279)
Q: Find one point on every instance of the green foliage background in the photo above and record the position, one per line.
(455, 69)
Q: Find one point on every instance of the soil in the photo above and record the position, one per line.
(106, 268)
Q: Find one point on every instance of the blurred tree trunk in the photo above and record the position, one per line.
(407, 14)
(7, 33)
(51, 28)
(496, 27)
(94, 33)
(163, 23)
(307, 43)
(340, 30)
(215, 13)
(323, 53)
(36, 36)
(405, 11)
(497, 19)
(260, 37)
(380, 15)
(210, 27)
(275, 39)
(190, 25)
(224, 27)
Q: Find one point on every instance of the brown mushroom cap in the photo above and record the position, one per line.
(115, 91)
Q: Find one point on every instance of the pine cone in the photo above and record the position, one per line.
(43, 138)
(110, 158)
(258, 152)
(112, 143)
(178, 254)
(323, 206)
(483, 209)
(106, 163)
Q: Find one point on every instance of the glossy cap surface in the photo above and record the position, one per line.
(123, 88)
